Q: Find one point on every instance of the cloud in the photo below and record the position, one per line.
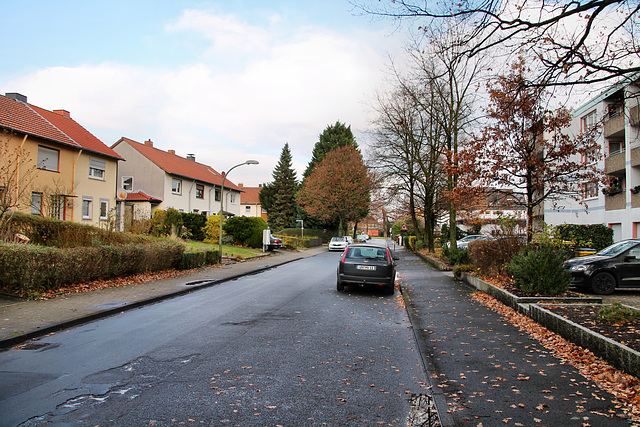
(280, 86)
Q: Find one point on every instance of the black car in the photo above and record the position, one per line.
(365, 264)
(614, 267)
(274, 243)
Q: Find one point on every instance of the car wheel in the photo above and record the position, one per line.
(340, 285)
(389, 289)
(603, 283)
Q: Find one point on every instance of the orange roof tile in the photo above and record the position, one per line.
(141, 197)
(251, 196)
(176, 165)
(26, 118)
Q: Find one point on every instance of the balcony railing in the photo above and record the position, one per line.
(635, 156)
(614, 125)
(616, 201)
(615, 163)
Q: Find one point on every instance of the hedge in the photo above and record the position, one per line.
(26, 269)
(594, 236)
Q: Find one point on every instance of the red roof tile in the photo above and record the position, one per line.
(141, 197)
(251, 195)
(176, 165)
(26, 118)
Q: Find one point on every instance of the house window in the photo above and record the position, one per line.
(247, 209)
(589, 190)
(104, 209)
(57, 206)
(127, 183)
(232, 198)
(48, 158)
(36, 203)
(87, 207)
(176, 186)
(97, 168)
(217, 195)
(589, 121)
(199, 191)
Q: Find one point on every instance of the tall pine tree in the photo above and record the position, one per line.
(282, 210)
(334, 136)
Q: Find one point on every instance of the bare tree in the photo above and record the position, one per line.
(571, 42)
(16, 178)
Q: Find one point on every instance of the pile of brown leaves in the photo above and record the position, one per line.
(625, 387)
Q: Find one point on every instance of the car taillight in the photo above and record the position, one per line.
(389, 259)
(344, 255)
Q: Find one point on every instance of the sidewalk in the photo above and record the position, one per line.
(22, 320)
(484, 370)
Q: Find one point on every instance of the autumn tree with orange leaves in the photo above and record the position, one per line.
(528, 146)
(338, 189)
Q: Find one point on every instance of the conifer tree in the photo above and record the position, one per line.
(283, 208)
(334, 136)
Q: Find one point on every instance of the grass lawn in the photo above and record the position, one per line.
(226, 249)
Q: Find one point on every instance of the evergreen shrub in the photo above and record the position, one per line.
(594, 236)
(539, 270)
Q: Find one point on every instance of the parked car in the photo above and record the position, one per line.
(349, 239)
(364, 264)
(464, 242)
(338, 244)
(274, 243)
(614, 267)
(363, 237)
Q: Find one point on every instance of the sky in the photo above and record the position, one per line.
(227, 81)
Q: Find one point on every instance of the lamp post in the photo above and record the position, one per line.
(224, 178)
(301, 221)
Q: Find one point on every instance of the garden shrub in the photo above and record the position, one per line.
(194, 222)
(192, 259)
(594, 236)
(616, 313)
(212, 257)
(211, 229)
(456, 256)
(27, 269)
(491, 257)
(244, 228)
(539, 270)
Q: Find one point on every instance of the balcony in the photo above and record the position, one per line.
(635, 156)
(634, 115)
(616, 201)
(614, 127)
(635, 200)
(615, 163)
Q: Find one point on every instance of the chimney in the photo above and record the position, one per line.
(63, 113)
(16, 96)
(259, 185)
(148, 143)
(171, 152)
(241, 185)
(191, 157)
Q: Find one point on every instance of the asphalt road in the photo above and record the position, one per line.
(277, 348)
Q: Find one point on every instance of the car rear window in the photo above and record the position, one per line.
(373, 253)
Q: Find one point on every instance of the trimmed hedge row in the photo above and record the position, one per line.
(30, 268)
(197, 259)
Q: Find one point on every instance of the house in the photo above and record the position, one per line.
(160, 179)
(490, 206)
(250, 204)
(618, 204)
(66, 172)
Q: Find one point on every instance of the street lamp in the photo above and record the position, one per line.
(224, 177)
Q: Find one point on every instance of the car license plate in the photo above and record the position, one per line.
(365, 267)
